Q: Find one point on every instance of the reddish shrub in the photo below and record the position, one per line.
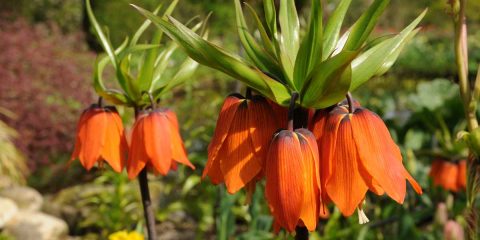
(45, 79)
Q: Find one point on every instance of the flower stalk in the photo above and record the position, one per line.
(146, 200)
(469, 98)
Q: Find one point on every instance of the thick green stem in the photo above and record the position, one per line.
(469, 101)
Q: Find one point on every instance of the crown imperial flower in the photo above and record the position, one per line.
(156, 143)
(100, 137)
(358, 154)
(238, 148)
(292, 186)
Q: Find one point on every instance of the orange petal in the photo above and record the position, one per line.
(156, 132)
(448, 176)
(379, 155)
(178, 149)
(80, 135)
(95, 133)
(411, 180)
(212, 167)
(327, 127)
(238, 161)
(262, 125)
(281, 114)
(462, 174)
(112, 151)
(284, 188)
(137, 157)
(311, 198)
(345, 186)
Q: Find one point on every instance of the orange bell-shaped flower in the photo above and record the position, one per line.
(292, 186)
(448, 175)
(156, 143)
(358, 154)
(100, 137)
(238, 148)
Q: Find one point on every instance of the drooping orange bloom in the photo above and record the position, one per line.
(100, 137)
(156, 143)
(448, 175)
(238, 148)
(358, 154)
(292, 186)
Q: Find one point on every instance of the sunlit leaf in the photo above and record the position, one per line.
(270, 17)
(289, 41)
(257, 54)
(365, 24)
(143, 27)
(267, 43)
(107, 46)
(381, 57)
(330, 81)
(333, 27)
(210, 55)
(109, 94)
(310, 52)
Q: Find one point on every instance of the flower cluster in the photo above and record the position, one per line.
(155, 142)
(342, 153)
(448, 175)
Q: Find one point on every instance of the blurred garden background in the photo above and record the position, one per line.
(47, 55)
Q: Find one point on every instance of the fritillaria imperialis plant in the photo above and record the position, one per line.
(307, 68)
(143, 76)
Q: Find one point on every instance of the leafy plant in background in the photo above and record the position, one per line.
(113, 209)
(45, 99)
(315, 71)
(470, 93)
(12, 162)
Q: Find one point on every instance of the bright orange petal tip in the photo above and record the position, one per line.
(238, 148)
(156, 142)
(100, 137)
(292, 180)
(358, 154)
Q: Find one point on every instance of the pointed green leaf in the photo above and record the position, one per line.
(143, 27)
(210, 55)
(289, 41)
(267, 43)
(107, 46)
(270, 17)
(333, 27)
(161, 65)
(257, 54)
(186, 71)
(109, 94)
(310, 52)
(381, 57)
(145, 77)
(330, 81)
(365, 24)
